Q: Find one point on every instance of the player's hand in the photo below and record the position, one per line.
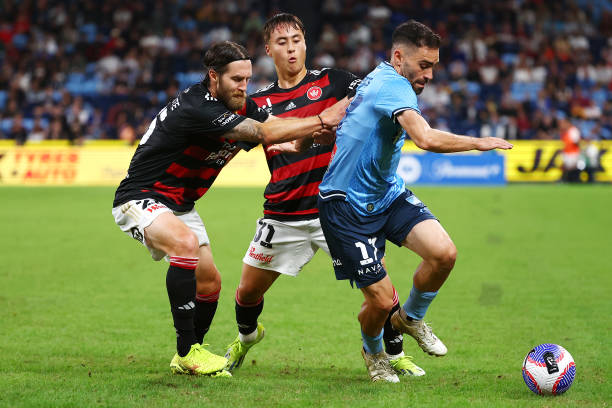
(325, 136)
(490, 143)
(287, 147)
(334, 114)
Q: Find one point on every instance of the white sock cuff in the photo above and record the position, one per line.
(248, 338)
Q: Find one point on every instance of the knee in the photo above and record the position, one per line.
(186, 244)
(382, 304)
(248, 293)
(445, 258)
(208, 278)
(209, 284)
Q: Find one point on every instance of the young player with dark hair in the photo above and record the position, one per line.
(176, 162)
(289, 234)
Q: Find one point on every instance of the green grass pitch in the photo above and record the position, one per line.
(84, 317)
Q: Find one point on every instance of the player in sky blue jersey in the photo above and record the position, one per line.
(363, 201)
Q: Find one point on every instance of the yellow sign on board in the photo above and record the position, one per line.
(540, 160)
(106, 163)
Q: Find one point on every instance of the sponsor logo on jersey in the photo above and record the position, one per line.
(260, 256)
(290, 106)
(370, 270)
(314, 92)
(336, 262)
(223, 155)
(224, 119)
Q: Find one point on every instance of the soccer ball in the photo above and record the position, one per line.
(549, 369)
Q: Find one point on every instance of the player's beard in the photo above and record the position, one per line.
(233, 100)
(419, 89)
(410, 76)
(236, 101)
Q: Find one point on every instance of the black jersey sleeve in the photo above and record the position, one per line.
(347, 82)
(251, 110)
(211, 118)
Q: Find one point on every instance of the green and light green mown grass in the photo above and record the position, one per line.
(84, 317)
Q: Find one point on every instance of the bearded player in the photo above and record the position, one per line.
(179, 157)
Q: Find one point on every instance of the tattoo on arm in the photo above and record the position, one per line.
(248, 130)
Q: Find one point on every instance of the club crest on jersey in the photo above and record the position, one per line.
(314, 92)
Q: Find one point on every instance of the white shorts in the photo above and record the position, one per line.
(285, 246)
(134, 216)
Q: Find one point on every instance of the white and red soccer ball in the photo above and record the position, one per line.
(549, 369)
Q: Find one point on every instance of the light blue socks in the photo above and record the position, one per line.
(418, 302)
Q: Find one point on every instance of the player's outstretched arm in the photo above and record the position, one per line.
(284, 130)
(438, 141)
(322, 137)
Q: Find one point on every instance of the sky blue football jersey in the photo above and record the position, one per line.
(369, 142)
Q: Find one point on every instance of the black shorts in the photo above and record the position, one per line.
(357, 242)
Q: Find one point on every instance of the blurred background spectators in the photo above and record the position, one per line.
(85, 69)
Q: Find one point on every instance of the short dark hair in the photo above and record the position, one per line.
(222, 53)
(282, 19)
(414, 33)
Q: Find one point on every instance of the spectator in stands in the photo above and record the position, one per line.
(18, 132)
(507, 54)
(570, 135)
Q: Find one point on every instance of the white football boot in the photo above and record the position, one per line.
(378, 367)
(420, 331)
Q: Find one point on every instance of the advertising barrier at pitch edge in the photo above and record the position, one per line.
(106, 163)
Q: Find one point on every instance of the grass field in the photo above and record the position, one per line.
(84, 317)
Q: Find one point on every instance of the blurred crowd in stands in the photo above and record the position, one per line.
(86, 69)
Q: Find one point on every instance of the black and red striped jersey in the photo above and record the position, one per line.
(292, 191)
(184, 150)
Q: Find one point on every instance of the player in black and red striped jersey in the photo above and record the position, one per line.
(179, 157)
(289, 234)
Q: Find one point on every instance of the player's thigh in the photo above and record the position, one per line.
(254, 283)
(379, 294)
(429, 240)
(136, 217)
(206, 272)
(194, 222)
(170, 235)
(279, 246)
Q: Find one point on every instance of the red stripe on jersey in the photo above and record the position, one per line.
(173, 193)
(296, 93)
(181, 172)
(201, 191)
(242, 110)
(300, 167)
(301, 212)
(179, 194)
(302, 191)
(309, 110)
(196, 152)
